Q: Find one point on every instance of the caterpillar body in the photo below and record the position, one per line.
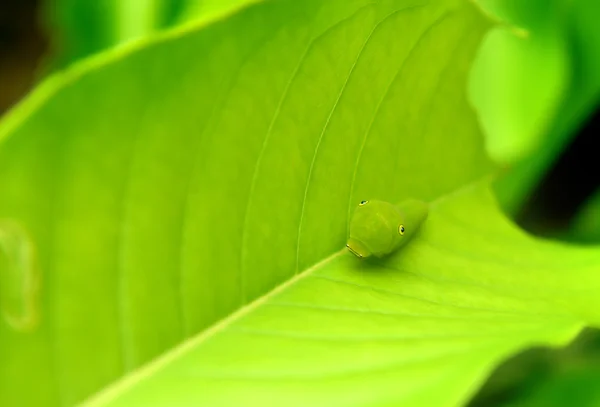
(378, 228)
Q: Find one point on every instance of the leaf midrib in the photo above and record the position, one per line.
(112, 391)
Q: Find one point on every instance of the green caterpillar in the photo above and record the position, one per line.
(379, 228)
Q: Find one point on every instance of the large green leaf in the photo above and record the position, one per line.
(422, 328)
(167, 184)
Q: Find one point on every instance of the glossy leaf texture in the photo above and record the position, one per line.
(423, 327)
(166, 184)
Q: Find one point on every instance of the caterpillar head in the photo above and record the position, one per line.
(379, 228)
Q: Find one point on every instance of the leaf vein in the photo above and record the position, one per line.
(421, 299)
(267, 137)
(328, 120)
(335, 308)
(381, 101)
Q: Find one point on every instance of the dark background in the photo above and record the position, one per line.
(23, 43)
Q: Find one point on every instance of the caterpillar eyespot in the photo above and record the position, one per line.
(381, 228)
(363, 203)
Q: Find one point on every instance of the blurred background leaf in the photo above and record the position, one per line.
(81, 28)
(575, 386)
(514, 96)
(534, 82)
(586, 225)
(542, 377)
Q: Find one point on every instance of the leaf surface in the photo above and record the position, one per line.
(168, 184)
(423, 327)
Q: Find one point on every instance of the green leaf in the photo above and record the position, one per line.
(166, 184)
(423, 327)
(586, 225)
(576, 387)
(520, 76)
(547, 377)
(533, 89)
(516, 99)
